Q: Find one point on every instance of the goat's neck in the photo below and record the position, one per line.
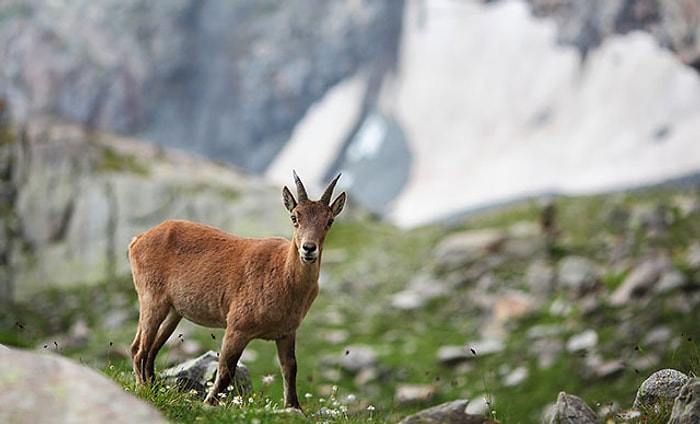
(302, 275)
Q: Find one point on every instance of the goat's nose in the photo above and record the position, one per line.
(309, 247)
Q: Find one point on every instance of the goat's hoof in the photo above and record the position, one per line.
(294, 410)
(211, 401)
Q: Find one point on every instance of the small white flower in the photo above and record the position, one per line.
(268, 379)
(237, 400)
(308, 395)
(370, 407)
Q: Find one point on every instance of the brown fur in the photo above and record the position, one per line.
(255, 288)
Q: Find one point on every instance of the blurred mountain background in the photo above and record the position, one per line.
(430, 107)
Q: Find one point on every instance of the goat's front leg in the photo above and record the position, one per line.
(288, 363)
(231, 351)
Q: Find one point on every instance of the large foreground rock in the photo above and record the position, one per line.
(41, 388)
(658, 392)
(571, 409)
(686, 408)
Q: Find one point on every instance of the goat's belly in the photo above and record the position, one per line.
(204, 318)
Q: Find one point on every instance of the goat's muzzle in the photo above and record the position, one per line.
(308, 252)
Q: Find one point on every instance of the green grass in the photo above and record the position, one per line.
(365, 263)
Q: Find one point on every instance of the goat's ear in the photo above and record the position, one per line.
(289, 201)
(338, 204)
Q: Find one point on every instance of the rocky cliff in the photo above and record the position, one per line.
(224, 79)
(72, 199)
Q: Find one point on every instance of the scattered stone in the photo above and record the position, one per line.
(413, 393)
(43, 388)
(670, 280)
(686, 408)
(582, 341)
(571, 409)
(658, 336)
(460, 249)
(485, 347)
(420, 290)
(577, 273)
(640, 280)
(516, 377)
(447, 413)
(539, 278)
(512, 305)
(358, 358)
(196, 373)
(480, 405)
(658, 392)
(453, 355)
(607, 369)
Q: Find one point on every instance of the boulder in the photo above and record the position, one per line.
(571, 409)
(658, 392)
(686, 407)
(447, 413)
(461, 249)
(578, 274)
(640, 280)
(199, 373)
(42, 388)
(358, 358)
(413, 393)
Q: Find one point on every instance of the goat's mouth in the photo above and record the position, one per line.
(308, 259)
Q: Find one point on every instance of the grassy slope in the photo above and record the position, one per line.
(366, 262)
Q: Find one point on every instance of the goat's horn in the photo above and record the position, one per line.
(326, 198)
(301, 191)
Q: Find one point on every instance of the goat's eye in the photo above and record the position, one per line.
(294, 219)
(330, 222)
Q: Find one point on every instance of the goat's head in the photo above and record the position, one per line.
(312, 218)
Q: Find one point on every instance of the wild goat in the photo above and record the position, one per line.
(255, 288)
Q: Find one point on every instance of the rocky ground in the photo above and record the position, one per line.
(506, 309)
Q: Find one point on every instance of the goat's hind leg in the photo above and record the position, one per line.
(150, 319)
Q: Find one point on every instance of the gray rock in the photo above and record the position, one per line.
(686, 407)
(586, 340)
(199, 373)
(413, 393)
(421, 289)
(358, 358)
(578, 274)
(485, 346)
(43, 388)
(447, 413)
(640, 280)
(571, 409)
(539, 278)
(670, 280)
(658, 392)
(453, 355)
(460, 249)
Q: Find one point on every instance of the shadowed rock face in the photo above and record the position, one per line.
(224, 79)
